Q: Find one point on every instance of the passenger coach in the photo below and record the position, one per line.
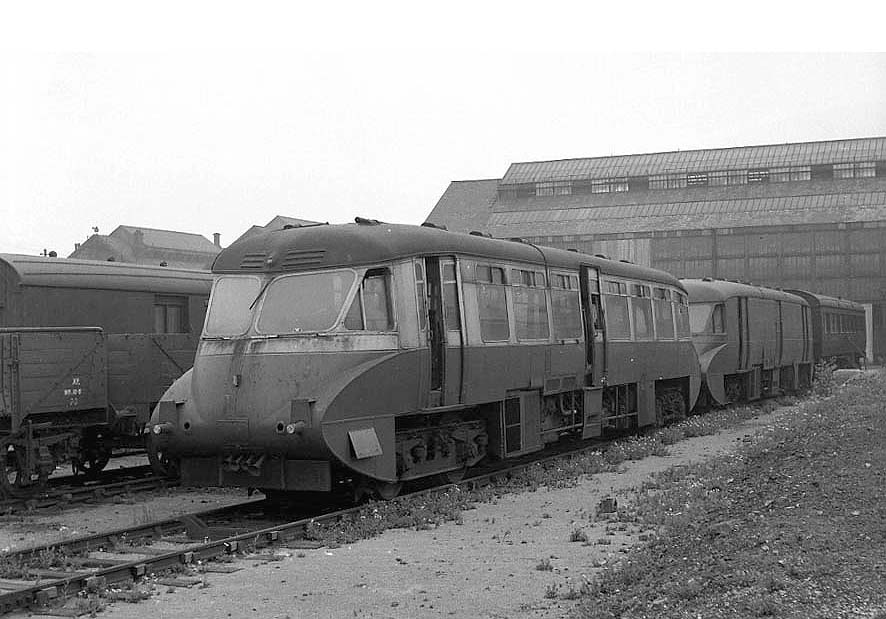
(379, 353)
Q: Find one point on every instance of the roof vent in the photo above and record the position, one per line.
(428, 224)
(363, 221)
(253, 261)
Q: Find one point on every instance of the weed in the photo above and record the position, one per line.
(551, 591)
(823, 381)
(578, 535)
(544, 565)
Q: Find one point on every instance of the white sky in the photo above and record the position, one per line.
(207, 119)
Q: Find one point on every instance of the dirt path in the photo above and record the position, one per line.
(514, 558)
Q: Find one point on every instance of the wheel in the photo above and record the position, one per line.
(93, 462)
(373, 489)
(161, 462)
(453, 477)
(16, 481)
(386, 491)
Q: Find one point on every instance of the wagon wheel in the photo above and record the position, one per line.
(15, 481)
(161, 462)
(93, 462)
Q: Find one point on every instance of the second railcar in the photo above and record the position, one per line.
(751, 341)
(839, 329)
(376, 353)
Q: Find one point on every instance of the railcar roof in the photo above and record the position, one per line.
(714, 290)
(327, 246)
(826, 301)
(95, 274)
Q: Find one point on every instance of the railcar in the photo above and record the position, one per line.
(839, 329)
(370, 354)
(751, 341)
(86, 350)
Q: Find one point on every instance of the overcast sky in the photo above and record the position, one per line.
(103, 130)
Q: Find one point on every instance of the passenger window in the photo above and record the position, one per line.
(565, 307)
(421, 297)
(717, 319)
(682, 307)
(531, 307)
(451, 316)
(664, 313)
(642, 309)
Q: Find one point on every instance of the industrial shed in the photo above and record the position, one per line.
(806, 215)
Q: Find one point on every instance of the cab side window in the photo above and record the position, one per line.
(371, 309)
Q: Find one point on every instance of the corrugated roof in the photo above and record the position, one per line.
(828, 208)
(707, 160)
(465, 205)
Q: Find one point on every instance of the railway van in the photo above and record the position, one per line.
(371, 354)
(86, 350)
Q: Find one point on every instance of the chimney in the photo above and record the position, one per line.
(76, 246)
(216, 239)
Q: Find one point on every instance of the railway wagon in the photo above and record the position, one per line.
(751, 341)
(370, 354)
(839, 329)
(150, 319)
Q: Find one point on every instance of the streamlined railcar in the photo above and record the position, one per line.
(839, 329)
(86, 350)
(371, 354)
(751, 341)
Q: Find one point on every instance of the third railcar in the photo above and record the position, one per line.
(751, 341)
(378, 353)
(838, 329)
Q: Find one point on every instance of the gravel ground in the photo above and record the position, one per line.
(526, 555)
(513, 558)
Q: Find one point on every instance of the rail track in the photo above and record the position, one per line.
(70, 490)
(48, 575)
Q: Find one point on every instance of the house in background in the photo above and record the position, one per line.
(150, 246)
(277, 223)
